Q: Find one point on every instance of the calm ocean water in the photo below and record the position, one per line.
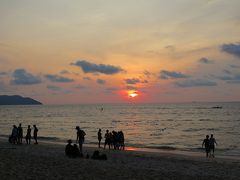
(180, 126)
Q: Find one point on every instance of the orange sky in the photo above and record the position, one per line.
(70, 52)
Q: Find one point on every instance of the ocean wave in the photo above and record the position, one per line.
(162, 147)
(193, 129)
(48, 138)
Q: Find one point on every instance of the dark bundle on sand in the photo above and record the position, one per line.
(97, 156)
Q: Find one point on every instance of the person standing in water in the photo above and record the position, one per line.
(212, 143)
(28, 136)
(99, 138)
(206, 142)
(80, 137)
(35, 134)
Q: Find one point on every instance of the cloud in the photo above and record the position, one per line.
(57, 78)
(101, 81)
(131, 88)
(3, 73)
(80, 87)
(87, 78)
(235, 77)
(88, 67)
(227, 71)
(2, 87)
(172, 75)
(195, 83)
(148, 74)
(110, 90)
(64, 72)
(22, 77)
(234, 66)
(204, 60)
(54, 88)
(233, 49)
(132, 81)
(234, 82)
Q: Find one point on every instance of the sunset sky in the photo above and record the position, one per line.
(109, 51)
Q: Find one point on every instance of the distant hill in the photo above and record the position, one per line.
(17, 100)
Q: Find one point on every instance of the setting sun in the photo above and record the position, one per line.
(132, 94)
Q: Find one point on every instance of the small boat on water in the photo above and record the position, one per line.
(217, 107)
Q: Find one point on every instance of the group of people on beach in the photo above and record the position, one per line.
(209, 144)
(17, 134)
(113, 139)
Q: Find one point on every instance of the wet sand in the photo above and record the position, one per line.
(48, 161)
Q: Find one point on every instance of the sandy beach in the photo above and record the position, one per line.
(48, 161)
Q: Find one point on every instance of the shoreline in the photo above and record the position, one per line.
(48, 161)
(164, 150)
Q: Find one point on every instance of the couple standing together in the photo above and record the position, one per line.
(209, 145)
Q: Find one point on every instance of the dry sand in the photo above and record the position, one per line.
(48, 161)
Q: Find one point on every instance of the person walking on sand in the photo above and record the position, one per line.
(212, 142)
(28, 136)
(206, 142)
(80, 137)
(35, 134)
(99, 138)
(20, 133)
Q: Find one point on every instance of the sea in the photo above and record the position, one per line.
(181, 126)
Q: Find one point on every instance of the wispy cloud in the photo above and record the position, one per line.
(57, 78)
(87, 78)
(54, 88)
(233, 49)
(64, 72)
(22, 77)
(234, 66)
(131, 88)
(204, 60)
(195, 83)
(3, 73)
(89, 67)
(132, 81)
(80, 87)
(229, 77)
(164, 74)
(101, 81)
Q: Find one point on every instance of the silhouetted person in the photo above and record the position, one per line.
(99, 138)
(69, 149)
(28, 136)
(14, 135)
(212, 143)
(35, 134)
(20, 133)
(107, 139)
(80, 137)
(76, 152)
(121, 140)
(206, 142)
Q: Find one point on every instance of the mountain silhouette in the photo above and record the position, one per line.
(17, 100)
